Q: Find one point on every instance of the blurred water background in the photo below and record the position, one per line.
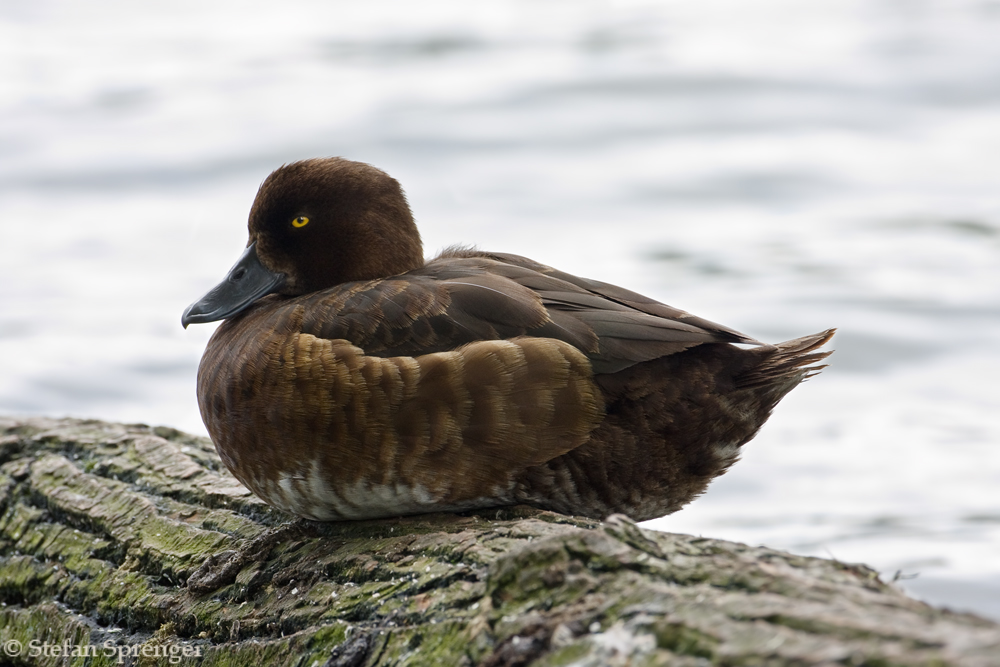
(774, 165)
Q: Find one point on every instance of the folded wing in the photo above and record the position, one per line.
(465, 296)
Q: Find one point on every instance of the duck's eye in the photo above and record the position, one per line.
(300, 221)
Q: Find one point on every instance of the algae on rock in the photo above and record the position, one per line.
(137, 538)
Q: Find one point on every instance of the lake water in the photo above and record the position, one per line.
(777, 166)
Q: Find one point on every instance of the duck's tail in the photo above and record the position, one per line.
(672, 424)
(787, 363)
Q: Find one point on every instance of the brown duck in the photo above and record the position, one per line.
(352, 379)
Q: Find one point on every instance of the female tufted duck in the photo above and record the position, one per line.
(352, 379)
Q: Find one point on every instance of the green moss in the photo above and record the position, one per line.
(22, 580)
(329, 636)
(44, 624)
(683, 640)
(566, 655)
(443, 644)
(18, 520)
(281, 653)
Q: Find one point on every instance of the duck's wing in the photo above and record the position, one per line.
(422, 312)
(632, 300)
(455, 300)
(627, 327)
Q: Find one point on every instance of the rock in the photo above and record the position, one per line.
(135, 541)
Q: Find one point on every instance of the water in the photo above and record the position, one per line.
(780, 167)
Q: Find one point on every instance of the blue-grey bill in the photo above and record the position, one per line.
(246, 282)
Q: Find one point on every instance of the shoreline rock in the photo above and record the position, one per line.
(136, 537)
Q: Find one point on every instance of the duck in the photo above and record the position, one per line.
(354, 379)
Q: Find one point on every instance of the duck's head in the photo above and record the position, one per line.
(315, 224)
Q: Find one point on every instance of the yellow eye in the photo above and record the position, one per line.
(300, 221)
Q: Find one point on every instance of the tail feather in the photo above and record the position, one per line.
(672, 424)
(788, 361)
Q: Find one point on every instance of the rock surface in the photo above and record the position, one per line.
(135, 540)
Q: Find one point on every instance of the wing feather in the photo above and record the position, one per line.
(467, 296)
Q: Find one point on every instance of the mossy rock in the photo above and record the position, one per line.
(128, 539)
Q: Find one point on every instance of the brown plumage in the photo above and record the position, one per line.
(352, 379)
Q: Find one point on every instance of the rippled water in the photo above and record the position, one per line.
(780, 167)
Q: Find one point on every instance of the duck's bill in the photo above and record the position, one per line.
(246, 282)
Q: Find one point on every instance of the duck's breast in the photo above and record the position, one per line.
(321, 429)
